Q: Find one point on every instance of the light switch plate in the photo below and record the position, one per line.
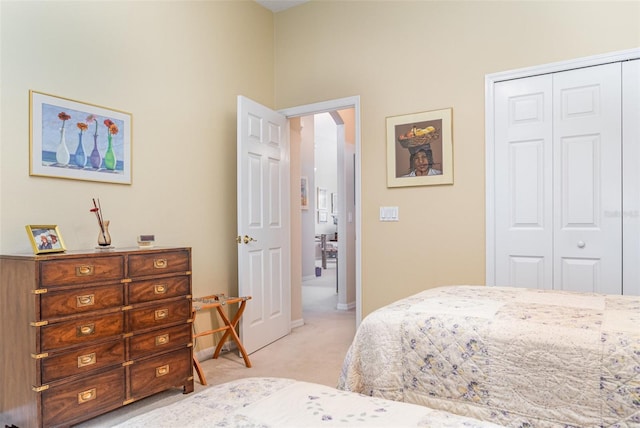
(389, 214)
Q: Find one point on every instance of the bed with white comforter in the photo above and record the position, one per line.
(515, 357)
(278, 402)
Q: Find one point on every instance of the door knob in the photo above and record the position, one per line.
(581, 244)
(248, 239)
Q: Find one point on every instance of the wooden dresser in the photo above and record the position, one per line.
(83, 333)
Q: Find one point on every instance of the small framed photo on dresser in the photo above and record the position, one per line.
(45, 238)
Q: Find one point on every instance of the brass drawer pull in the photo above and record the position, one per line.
(160, 263)
(161, 314)
(84, 270)
(86, 360)
(87, 300)
(85, 330)
(88, 395)
(162, 370)
(160, 288)
(163, 339)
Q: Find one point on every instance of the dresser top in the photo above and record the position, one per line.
(92, 253)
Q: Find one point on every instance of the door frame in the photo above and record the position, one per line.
(329, 106)
(490, 81)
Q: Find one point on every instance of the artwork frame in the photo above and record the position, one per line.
(59, 151)
(334, 203)
(322, 217)
(322, 199)
(420, 149)
(304, 193)
(45, 238)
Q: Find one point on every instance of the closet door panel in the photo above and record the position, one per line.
(581, 175)
(579, 274)
(587, 182)
(631, 177)
(523, 172)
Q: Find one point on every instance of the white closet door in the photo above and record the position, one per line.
(587, 179)
(523, 183)
(631, 177)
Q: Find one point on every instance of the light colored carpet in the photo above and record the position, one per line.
(311, 353)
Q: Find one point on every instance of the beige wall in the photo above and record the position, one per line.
(409, 56)
(177, 67)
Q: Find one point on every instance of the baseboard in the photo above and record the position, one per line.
(345, 306)
(231, 346)
(297, 323)
(207, 353)
(204, 354)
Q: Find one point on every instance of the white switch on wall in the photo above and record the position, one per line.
(389, 214)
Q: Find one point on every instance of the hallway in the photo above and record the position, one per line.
(319, 294)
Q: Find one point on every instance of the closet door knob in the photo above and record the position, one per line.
(581, 244)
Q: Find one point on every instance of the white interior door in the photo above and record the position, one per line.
(588, 180)
(264, 253)
(523, 183)
(558, 182)
(631, 177)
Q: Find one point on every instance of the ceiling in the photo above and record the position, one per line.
(278, 5)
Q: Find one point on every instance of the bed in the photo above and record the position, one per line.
(512, 356)
(279, 402)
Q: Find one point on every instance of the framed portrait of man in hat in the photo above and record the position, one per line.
(419, 149)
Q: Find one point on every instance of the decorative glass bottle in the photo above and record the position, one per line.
(94, 159)
(110, 156)
(79, 158)
(62, 152)
(104, 238)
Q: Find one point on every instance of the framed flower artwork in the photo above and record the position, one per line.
(78, 141)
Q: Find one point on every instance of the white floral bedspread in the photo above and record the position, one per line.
(277, 402)
(515, 357)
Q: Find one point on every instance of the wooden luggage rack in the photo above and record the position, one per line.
(219, 301)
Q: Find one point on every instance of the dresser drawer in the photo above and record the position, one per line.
(145, 291)
(159, 373)
(56, 304)
(82, 360)
(82, 399)
(159, 315)
(81, 270)
(158, 263)
(81, 331)
(160, 341)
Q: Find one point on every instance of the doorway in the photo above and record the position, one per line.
(347, 111)
(322, 138)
